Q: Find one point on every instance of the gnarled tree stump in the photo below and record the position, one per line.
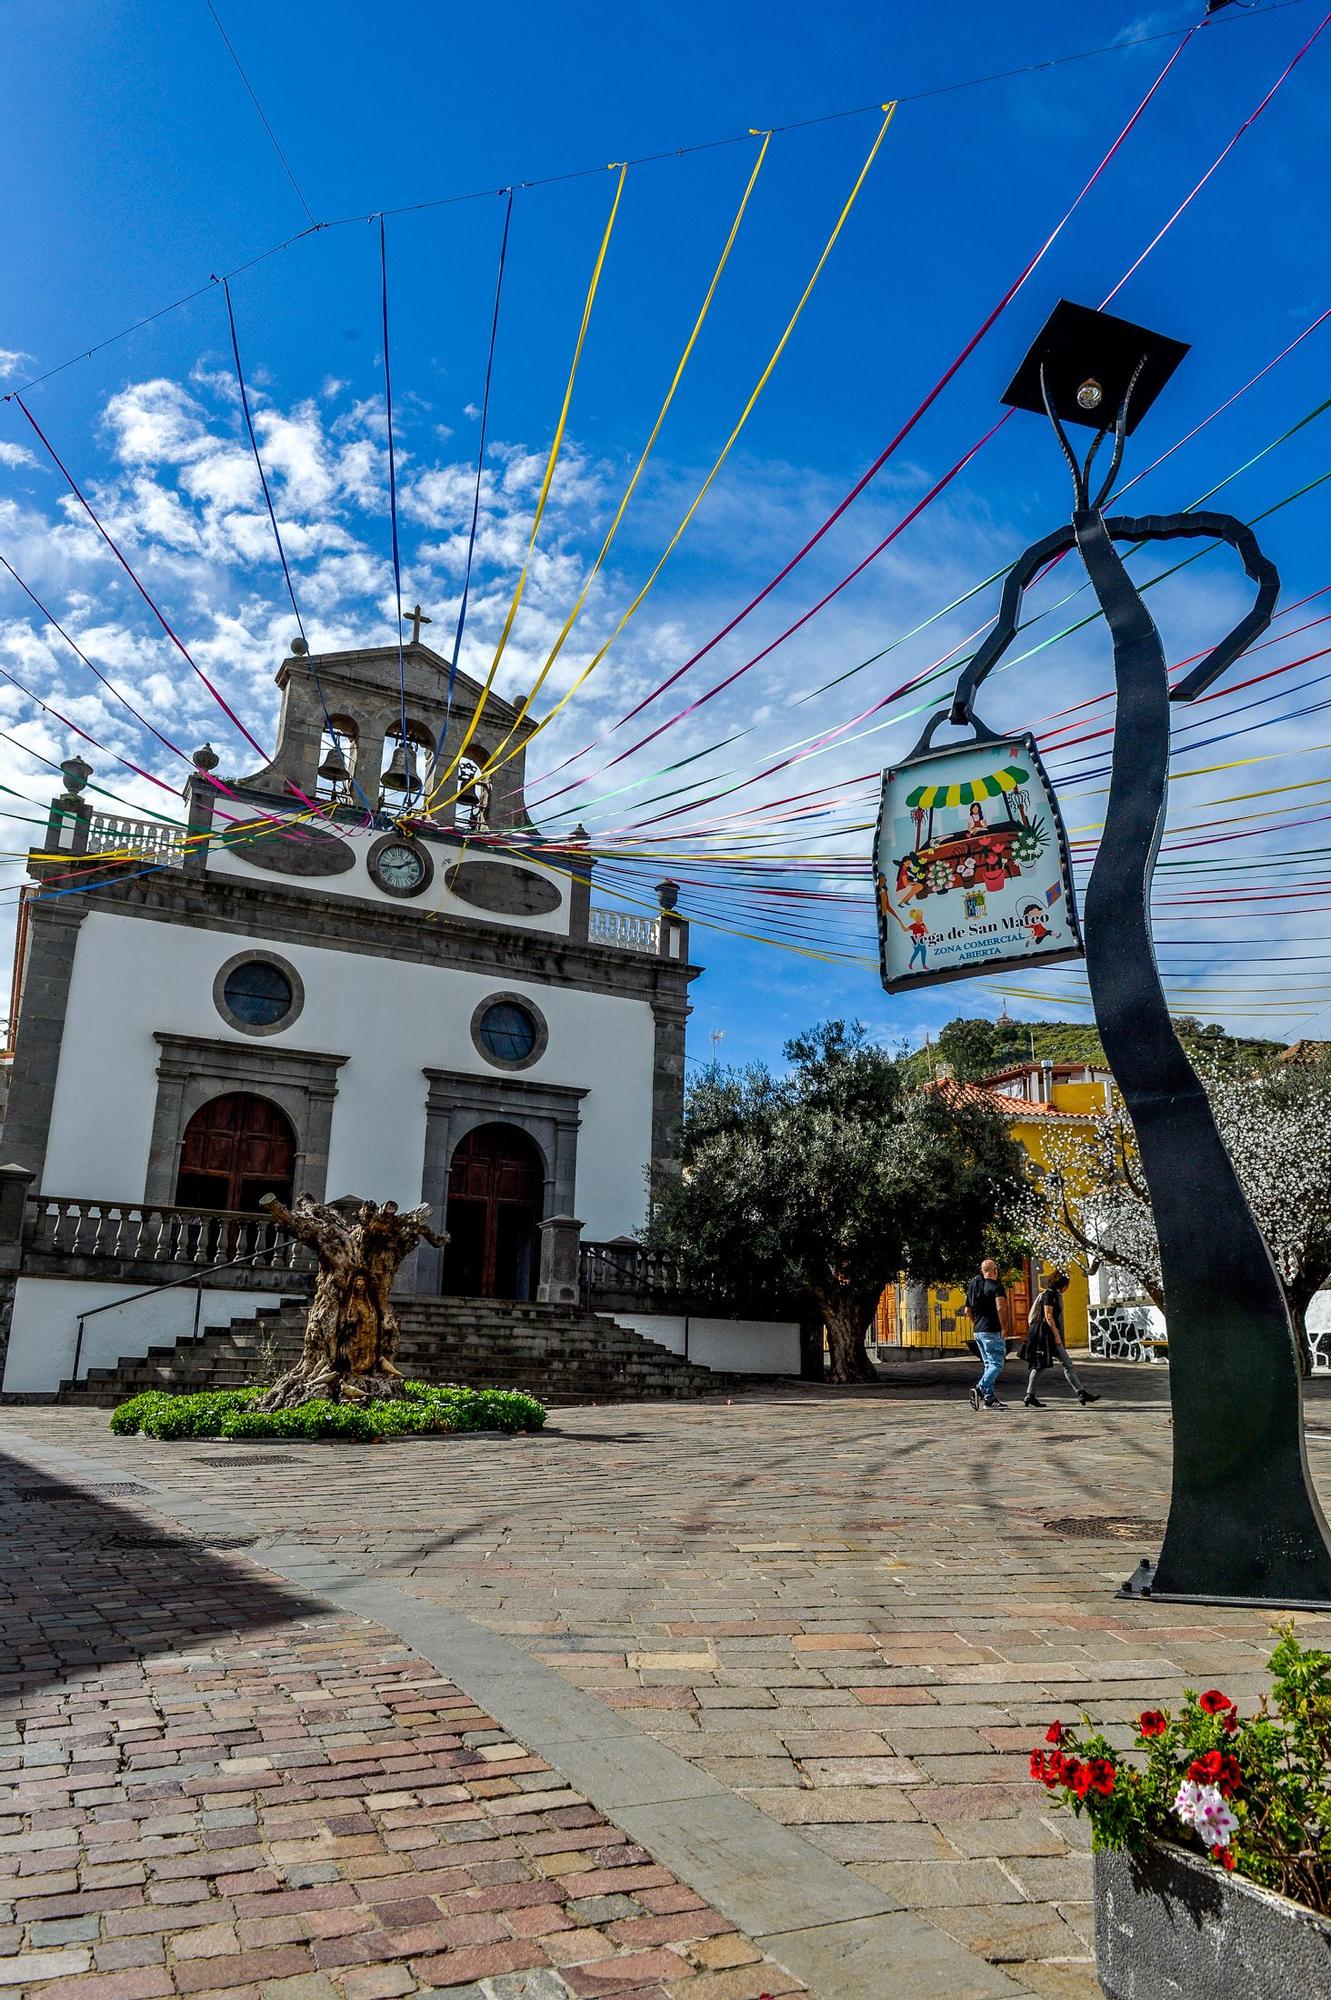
(351, 1330)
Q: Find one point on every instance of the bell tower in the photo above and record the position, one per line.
(340, 731)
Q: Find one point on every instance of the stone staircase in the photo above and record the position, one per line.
(559, 1353)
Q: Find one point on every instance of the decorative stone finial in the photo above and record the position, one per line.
(76, 773)
(300, 647)
(667, 894)
(579, 832)
(206, 758)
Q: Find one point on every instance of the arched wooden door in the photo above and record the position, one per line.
(236, 1148)
(495, 1187)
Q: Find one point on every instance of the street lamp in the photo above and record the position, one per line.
(1244, 1523)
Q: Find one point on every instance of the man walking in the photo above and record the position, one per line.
(986, 1302)
(1044, 1342)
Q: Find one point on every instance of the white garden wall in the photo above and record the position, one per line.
(44, 1330)
(731, 1346)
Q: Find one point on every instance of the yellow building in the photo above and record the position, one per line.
(1032, 1097)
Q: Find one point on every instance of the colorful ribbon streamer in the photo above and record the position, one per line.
(497, 757)
(544, 494)
(461, 625)
(177, 642)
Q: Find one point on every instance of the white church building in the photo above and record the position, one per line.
(281, 1001)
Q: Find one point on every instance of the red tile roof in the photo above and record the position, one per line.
(984, 1099)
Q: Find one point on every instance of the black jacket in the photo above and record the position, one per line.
(1038, 1349)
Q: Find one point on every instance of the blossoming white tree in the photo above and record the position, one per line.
(1089, 1203)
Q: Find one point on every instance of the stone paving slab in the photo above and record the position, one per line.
(211, 1784)
(785, 1592)
(838, 1931)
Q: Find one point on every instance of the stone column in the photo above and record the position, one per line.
(53, 931)
(669, 1017)
(14, 1185)
(673, 938)
(70, 813)
(561, 1240)
(580, 888)
(200, 800)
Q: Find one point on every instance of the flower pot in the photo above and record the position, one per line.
(1169, 1925)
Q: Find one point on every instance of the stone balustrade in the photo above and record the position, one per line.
(86, 1238)
(624, 930)
(621, 1275)
(110, 833)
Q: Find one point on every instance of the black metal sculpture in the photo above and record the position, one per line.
(1244, 1523)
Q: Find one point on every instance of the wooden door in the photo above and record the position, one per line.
(495, 1187)
(236, 1148)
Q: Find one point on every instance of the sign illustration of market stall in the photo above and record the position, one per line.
(971, 865)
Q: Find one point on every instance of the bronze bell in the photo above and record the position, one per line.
(401, 775)
(334, 767)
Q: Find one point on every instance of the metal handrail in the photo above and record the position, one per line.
(194, 1278)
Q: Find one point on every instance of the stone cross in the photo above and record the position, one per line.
(418, 618)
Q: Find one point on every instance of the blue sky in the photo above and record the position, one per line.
(136, 166)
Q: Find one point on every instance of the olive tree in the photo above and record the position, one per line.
(813, 1190)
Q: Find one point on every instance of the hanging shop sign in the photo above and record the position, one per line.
(970, 862)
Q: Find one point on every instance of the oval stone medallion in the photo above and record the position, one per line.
(509, 892)
(301, 851)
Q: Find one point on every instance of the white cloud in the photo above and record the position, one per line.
(16, 455)
(156, 423)
(11, 361)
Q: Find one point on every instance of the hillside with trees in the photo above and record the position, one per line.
(977, 1049)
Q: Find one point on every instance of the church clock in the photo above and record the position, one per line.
(400, 867)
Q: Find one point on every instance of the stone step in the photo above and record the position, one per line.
(559, 1353)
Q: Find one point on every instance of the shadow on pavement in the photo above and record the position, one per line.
(86, 1583)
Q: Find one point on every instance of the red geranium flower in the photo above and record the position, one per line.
(1079, 1777)
(1229, 1721)
(1048, 1769)
(1152, 1723)
(1101, 1773)
(1219, 1769)
(1214, 1703)
(1225, 1856)
(1054, 1733)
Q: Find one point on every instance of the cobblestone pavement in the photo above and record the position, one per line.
(846, 1607)
(213, 1786)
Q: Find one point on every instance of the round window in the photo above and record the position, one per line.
(258, 993)
(507, 1032)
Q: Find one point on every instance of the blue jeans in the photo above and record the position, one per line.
(993, 1352)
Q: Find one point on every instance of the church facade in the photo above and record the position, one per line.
(396, 997)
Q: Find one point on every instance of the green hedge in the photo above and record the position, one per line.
(229, 1413)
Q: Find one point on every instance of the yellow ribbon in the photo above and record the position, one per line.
(543, 496)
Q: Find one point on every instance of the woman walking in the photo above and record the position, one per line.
(1044, 1343)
